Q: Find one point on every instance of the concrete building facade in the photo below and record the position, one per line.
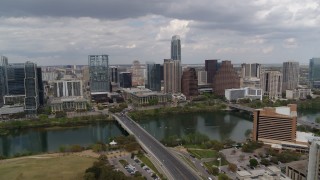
(202, 77)
(235, 94)
(172, 76)
(68, 88)
(298, 93)
(271, 84)
(275, 125)
(290, 72)
(314, 160)
(250, 70)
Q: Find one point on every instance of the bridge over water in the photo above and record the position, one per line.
(169, 164)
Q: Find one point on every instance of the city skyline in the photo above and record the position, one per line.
(59, 33)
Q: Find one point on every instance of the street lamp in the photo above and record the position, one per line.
(219, 159)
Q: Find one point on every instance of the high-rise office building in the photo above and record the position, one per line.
(114, 74)
(153, 76)
(31, 89)
(172, 76)
(225, 78)
(137, 71)
(189, 83)
(314, 160)
(211, 66)
(40, 86)
(3, 78)
(271, 84)
(176, 48)
(64, 88)
(314, 73)
(290, 73)
(99, 73)
(273, 125)
(15, 78)
(125, 79)
(250, 70)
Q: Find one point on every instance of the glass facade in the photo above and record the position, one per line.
(153, 77)
(15, 75)
(31, 88)
(125, 79)
(176, 48)
(314, 73)
(99, 73)
(3, 78)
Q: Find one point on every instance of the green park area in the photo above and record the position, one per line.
(199, 153)
(45, 167)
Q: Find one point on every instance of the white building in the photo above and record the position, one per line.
(314, 161)
(49, 76)
(68, 88)
(298, 93)
(202, 77)
(271, 84)
(235, 94)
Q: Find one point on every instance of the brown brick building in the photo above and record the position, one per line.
(275, 125)
(225, 78)
(189, 83)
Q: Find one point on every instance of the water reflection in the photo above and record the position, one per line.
(216, 125)
(42, 140)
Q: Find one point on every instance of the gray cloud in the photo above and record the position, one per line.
(59, 31)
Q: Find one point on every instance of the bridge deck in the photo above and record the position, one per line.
(171, 165)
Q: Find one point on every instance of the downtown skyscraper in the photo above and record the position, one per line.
(314, 73)
(172, 70)
(290, 75)
(176, 48)
(153, 76)
(99, 73)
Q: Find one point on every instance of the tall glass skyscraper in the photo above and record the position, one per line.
(153, 76)
(176, 48)
(3, 78)
(314, 73)
(99, 73)
(31, 89)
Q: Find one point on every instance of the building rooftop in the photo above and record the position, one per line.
(243, 173)
(136, 90)
(301, 166)
(11, 109)
(304, 136)
(67, 99)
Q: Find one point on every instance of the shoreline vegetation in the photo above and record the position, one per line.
(45, 122)
(169, 111)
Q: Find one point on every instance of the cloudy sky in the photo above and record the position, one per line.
(52, 32)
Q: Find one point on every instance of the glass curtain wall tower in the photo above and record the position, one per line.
(176, 48)
(99, 73)
(153, 76)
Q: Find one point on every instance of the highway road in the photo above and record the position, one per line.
(313, 125)
(177, 169)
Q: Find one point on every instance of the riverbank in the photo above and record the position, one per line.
(169, 111)
(6, 126)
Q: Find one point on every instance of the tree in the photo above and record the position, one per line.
(248, 133)
(223, 177)
(253, 162)
(232, 167)
(265, 162)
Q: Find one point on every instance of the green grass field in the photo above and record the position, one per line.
(203, 153)
(45, 167)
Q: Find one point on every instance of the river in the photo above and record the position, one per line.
(216, 125)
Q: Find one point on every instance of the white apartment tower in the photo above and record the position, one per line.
(271, 84)
(290, 72)
(172, 76)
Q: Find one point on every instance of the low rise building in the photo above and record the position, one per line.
(68, 104)
(297, 170)
(142, 96)
(270, 173)
(250, 82)
(235, 94)
(298, 93)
